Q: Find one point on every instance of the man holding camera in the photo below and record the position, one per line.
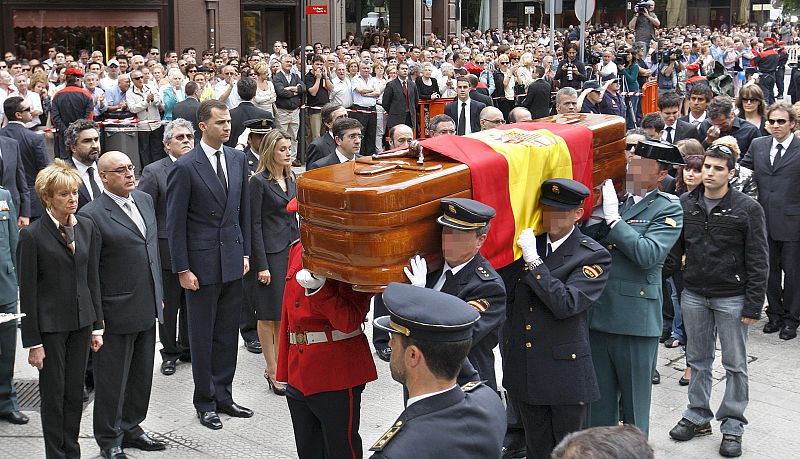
(668, 68)
(644, 23)
(571, 72)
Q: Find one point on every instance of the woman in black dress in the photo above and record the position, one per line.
(273, 230)
(427, 85)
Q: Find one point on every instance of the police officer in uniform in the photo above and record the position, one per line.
(467, 275)
(626, 321)
(547, 367)
(9, 235)
(258, 129)
(431, 336)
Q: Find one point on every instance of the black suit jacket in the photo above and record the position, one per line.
(208, 230)
(34, 158)
(59, 291)
(548, 306)
(188, 111)
(286, 100)
(776, 187)
(394, 102)
(13, 175)
(454, 108)
(685, 130)
(130, 302)
(537, 99)
(330, 160)
(321, 147)
(245, 111)
(154, 182)
(474, 94)
(83, 194)
(273, 228)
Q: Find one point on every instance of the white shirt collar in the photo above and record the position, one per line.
(413, 400)
(454, 269)
(555, 245)
(343, 158)
(209, 151)
(786, 142)
(692, 119)
(72, 220)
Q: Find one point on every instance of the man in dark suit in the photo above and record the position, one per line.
(465, 111)
(537, 98)
(467, 275)
(82, 140)
(33, 155)
(208, 229)
(775, 162)
(178, 140)
(245, 111)
(547, 358)
(401, 100)
(475, 94)
(422, 321)
(325, 145)
(347, 135)
(123, 367)
(187, 109)
(675, 129)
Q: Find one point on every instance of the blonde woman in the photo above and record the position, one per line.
(743, 180)
(173, 93)
(273, 229)
(265, 92)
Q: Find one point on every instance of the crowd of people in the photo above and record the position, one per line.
(702, 235)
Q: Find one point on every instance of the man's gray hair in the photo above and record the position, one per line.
(169, 130)
(566, 91)
(73, 131)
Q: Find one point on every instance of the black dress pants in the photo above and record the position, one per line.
(326, 424)
(174, 332)
(547, 425)
(783, 286)
(61, 388)
(369, 123)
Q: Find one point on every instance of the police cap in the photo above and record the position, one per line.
(260, 125)
(563, 193)
(465, 214)
(662, 152)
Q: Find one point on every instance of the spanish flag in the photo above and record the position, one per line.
(507, 168)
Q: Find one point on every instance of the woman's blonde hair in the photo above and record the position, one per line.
(56, 176)
(730, 142)
(266, 156)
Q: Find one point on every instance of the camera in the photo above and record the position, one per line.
(670, 55)
(594, 58)
(621, 58)
(641, 7)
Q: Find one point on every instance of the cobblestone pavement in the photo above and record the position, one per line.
(773, 413)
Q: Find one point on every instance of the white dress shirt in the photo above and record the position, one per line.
(83, 170)
(212, 158)
(467, 117)
(555, 245)
(443, 277)
(773, 151)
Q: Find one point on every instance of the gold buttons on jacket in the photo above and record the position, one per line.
(528, 345)
(538, 277)
(528, 327)
(641, 293)
(573, 356)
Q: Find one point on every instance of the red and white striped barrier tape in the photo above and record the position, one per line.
(126, 121)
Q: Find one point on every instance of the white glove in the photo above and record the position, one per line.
(307, 279)
(527, 242)
(610, 202)
(418, 275)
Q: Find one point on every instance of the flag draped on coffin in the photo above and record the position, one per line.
(508, 167)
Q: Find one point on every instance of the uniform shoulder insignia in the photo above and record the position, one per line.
(387, 436)
(481, 304)
(669, 196)
(671, 222)
(484, 273)
(591, 244)
(470, 386)
(592, 271)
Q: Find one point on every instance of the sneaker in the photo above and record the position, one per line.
(686, 430)
(731, 445)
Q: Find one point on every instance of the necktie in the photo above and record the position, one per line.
(462, 120)
(778, 154)
(133, 212)
(68, 233)
(695, 122)
(669, 134)
(93, 183)
(549, 250)
(405, 91)
(221, 172)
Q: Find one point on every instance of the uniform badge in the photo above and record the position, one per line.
(451, 208)
(4, 206)
(481, 304)
(593, 271)
(555, 189)
(470, 386)
(671, 222)
(381, 443)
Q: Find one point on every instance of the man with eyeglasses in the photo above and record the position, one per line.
(400, 136)
(721, 121)
(225, 90)
(464, 110)
(725, 248)
(490, 118)
(146, 105)
(441, 125)
(347, 135)
(774, 162)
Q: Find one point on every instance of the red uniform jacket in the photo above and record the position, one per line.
(329, 366)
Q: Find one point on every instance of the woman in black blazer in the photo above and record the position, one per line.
(58, 258)
(273, 230)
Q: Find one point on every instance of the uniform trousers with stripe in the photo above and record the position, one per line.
(326, 424)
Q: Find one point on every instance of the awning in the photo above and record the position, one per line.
(94, 18)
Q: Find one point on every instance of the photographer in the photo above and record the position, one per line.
(668, 68)
(644, 22)
(571, 72)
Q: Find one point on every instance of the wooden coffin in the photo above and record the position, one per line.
(362, 221)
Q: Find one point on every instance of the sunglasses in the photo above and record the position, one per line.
(723, 149)
(749, 101)
(136, 78)
(780, 121)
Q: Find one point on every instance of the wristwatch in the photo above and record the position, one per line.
(531, 265)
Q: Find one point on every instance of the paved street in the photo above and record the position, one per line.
(774, 411)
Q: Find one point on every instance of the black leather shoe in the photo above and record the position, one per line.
(384, 354)
(772, 327)
(656, 378)
(14, 417)
(665, 335)
(686, 430)
(788, 332)
(514, 446)
(113, 453)
(237, 411)
(168, 367)
(253, 346)
(684, 381)
(731, 445)
(210, 419)
(144, 442)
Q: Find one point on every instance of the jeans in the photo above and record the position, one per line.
(677, 320)
(704, 316)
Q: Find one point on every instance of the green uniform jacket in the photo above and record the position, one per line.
(9, 234)
(639, 243)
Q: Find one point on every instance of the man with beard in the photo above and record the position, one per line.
(82, 139)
